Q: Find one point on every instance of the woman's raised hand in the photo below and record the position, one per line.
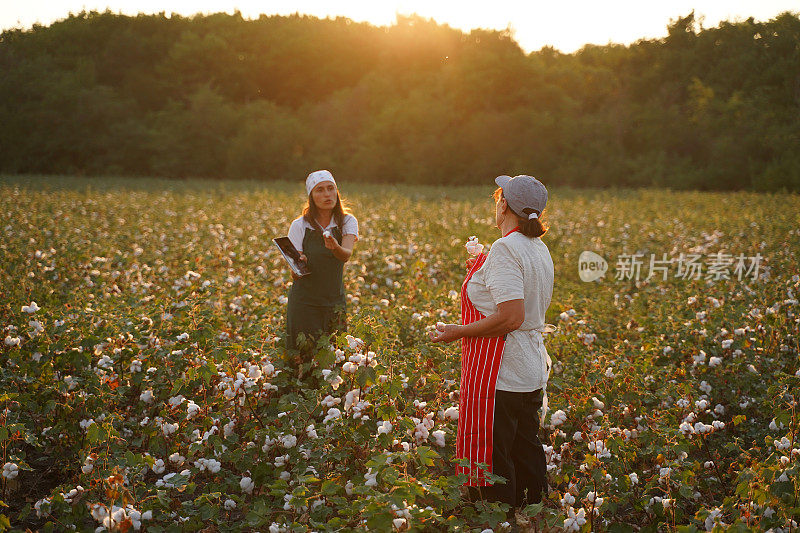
(330, 242)
(470, 262)
(445, 332)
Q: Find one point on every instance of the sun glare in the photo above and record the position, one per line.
(565, 25)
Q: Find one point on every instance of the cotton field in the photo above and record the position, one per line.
(144, 384)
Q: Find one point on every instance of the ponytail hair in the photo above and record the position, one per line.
(530, 227)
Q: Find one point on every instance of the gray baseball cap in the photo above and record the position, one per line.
(523, 193)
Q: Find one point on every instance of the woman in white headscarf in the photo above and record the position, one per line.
(325, 235)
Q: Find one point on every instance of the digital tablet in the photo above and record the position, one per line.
(292, 256)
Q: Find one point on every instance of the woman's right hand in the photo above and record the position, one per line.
(470, 262)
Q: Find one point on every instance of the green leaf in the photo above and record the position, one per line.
(93, 433)
(533, 509)
(426, 455)
(330, 487)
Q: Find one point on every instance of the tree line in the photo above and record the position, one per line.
(416, 102)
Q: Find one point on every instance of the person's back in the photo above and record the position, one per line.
(520, 267)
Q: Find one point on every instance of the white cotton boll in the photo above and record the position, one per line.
(700, 358)
(333, 414)
(349, 367)
(146, 396)
(10, 470)
(752, 369)
(714, 361)
(709, 464)
(213, 466)
(326, 233)
(567, 500)
(288, 441)
(727, 343)
(783, 444)
(158, 467)
(192, 410)
(597, 403)
(175, 401)
(336, 382)
(610, 372)
(558, 418)
(230, 505)
(30, 309)
(168, 429)
(254, 372)
(384, 427)
(247, 485)
(574, 520)
(451, 413)
(439, 438)
(634, 477)
(577, 436)
(176, 459)
(354, 343)
(12, 341)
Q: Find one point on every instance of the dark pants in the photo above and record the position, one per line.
(517, 452)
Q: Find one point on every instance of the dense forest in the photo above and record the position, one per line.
(417, 102)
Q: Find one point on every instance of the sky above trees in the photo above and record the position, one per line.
(565, 25)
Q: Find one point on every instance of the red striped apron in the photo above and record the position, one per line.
(480, 363)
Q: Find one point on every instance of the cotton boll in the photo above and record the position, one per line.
(247, 485)
(158, 467)
(11, 470)
(558, 418)
(30, 309)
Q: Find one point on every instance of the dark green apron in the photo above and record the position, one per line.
(316, 301)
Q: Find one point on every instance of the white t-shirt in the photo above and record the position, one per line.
(298, 229)
(518, 267)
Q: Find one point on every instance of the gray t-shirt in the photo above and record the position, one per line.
(518, 267)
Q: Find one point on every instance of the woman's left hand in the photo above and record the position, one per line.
(330, 242)
(446, 333)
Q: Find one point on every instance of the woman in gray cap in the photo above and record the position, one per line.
(504, 363)
(325, 235)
